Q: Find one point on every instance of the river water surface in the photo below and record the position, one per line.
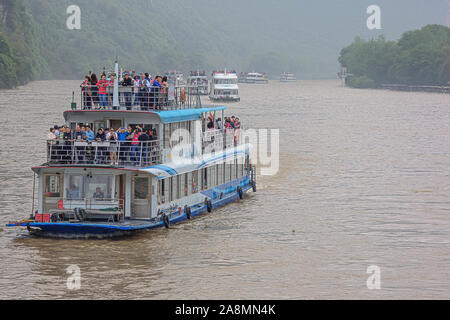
(364, 180)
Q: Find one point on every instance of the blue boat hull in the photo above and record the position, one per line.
(120, 229)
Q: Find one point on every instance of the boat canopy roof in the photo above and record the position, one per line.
(165, 116)
(185, 114)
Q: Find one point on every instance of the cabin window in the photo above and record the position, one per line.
(226, 172)
(240, 167)
(181, 185)
(189, 182)
(204, 179)
(52, 187)
(75, 187)
(141, 187)
(166, 190)
(166, 135)
(186, 184)
(212, 176)
(220, 173)
(195, 181)
(101, 187)
(174, 188)
(246, 166)
(233, 170)
(161, 191)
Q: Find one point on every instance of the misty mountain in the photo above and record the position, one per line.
(301, 36)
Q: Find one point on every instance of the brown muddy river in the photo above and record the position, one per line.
(364, 180)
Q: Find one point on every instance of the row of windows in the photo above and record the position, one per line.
(225, 92)
(183, 185)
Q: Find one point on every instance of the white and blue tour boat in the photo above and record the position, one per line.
(115, 188)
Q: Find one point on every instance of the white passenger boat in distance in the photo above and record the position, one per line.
(256, 78)
(199, 79)
(287, 77)
(224, 86)
(170, 162)
(175, 77)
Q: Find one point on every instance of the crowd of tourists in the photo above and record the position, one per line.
(130, 146)
(139, 90)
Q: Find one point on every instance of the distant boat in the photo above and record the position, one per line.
(224, 86)
(200, 80)
(255, 77)
(287, 77)
(175, 78)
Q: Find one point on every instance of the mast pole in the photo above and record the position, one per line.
(116, 86)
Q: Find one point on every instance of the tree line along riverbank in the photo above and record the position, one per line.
(419, 60)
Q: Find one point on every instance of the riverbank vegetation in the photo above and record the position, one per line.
(419, 57)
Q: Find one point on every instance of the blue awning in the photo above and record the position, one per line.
(185, 114)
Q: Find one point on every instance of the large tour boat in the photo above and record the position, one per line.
(114, 187)
(200, 80)
(224, 86)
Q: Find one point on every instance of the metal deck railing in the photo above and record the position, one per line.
(122, 153)
(133, 98)
(219, 139)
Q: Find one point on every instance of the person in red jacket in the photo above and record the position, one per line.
(102, 84)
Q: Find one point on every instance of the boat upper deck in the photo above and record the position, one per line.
(132, 98)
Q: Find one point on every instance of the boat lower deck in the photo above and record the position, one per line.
(92, 229)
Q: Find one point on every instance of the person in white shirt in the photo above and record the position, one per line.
(51, 135)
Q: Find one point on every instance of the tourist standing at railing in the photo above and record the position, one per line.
(127, 83)
(51, 143)
(136, 91)
(102, 84)
(210, 124)
(94, 89)
(144, 139)
(51, 134)
(122, 135)
(232, 120)
(100, 137)
(155, 93)
(67, 149)
(90, 136)
(219, 123)
(86, 93)
(143, 93)
(237, 127)
(135, 148)
(112, 138)
(80, 135)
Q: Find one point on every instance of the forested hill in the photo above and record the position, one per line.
(301, 36)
